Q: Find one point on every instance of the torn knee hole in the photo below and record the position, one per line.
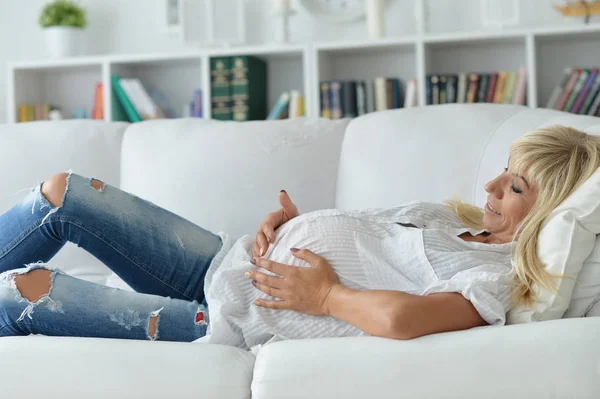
(153, 325)
(34, 284)
(97, 184)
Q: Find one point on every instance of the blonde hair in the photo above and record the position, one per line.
(558, 159)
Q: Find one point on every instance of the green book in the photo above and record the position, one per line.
(249, 88)
(509, 87)
(220, 88)
(590, 98)
(127, 107)
(577, 89)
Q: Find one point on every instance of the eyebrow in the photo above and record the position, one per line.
(516, 175)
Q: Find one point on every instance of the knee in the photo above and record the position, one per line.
(54, 188)
(34, 285)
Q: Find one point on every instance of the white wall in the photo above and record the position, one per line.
(134, 26)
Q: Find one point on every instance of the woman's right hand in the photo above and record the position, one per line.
(266, 231)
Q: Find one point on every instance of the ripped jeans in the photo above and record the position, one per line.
(162, 256)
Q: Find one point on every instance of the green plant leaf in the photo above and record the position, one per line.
(62, 13)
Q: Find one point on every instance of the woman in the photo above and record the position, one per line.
(399, 273)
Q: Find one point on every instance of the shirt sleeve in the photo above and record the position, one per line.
(487, 287)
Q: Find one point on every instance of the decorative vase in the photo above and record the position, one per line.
(375, 25)
(63, 41)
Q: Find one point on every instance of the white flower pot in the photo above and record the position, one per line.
(63, 41)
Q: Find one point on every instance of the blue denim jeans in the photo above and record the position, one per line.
(162, 256)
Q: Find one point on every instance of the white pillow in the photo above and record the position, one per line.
(595, 309)
(566, 240)
(587, 287)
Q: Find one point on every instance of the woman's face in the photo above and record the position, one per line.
(510, 198)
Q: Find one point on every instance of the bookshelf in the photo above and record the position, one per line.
(545, 52)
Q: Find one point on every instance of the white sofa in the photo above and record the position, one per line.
(226, 176)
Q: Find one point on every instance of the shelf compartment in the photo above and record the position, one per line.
(64, 86)
(364, 62)
(556, 52)
(175, 78)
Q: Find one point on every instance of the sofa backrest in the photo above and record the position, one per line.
(32, 152)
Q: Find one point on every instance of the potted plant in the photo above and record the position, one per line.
(63, 22)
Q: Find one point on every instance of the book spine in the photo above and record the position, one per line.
(492, 79)
(461, 95)
(499, 91)
(585, 91)
(257, 85)
(197, 103)
(410, 99)
(451, 88)
(595, 107)
(98, 110)
(435, 89)
(483, 85)
(443, 89)
(576, 89)
(472, 88)
(380, 94)
(240, 89)
(325, 106)
(220, 88)
(396, 94)
(509, 87)
(564, 96)
(591, 97)
(280, 107)
(349, 91)
(521, 87)
(125, 102)
(428, 91)
(337, 105)
(146, 102)
(361, 98)
(552, 101)
(389, 93)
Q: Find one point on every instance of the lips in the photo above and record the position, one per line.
(489, 208)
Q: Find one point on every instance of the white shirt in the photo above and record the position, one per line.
(368, 249)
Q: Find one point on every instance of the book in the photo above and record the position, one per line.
(558, 89)
(461, 95)
(248, 88)
(380, 94)
(124, 102)
(583, 94)
(595, 89)
(397, 98)
(509, 87)
(595, 106)
(280, 109)
(564, 96)
(443, 82)
(583, 75)
(163, 104)
(127, 86)
(296, 107)
(98, 110)
(451, 88)
(428, 90)
(521, 87)
(472, 87)
(336, 99)
(435, 89)
(499, 91)
(389, 93)
(220, 88)
(492, 79)
(325, 106)
(349, 102)
(361, 98)
(410, 98)
(483, 85)
(196, 107)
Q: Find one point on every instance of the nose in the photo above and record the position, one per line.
(494, 187)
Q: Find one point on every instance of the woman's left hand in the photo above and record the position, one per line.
(303, 289)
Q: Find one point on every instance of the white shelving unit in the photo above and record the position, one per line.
(545, 52)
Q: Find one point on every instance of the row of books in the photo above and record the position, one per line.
(504, 87)
(348, 99)
(289, 105)
(577, 92)
(238, 88)
(33, 112)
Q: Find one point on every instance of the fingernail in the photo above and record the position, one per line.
(294, 249)
(257, 302)
(262, 251)
(247, 274)
(283, 191)
(253, 261)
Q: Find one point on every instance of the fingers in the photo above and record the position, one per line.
(265, 279)
(288, 206)
(281, 304)
(270, 291)
(306, 255)
(271, 266)
(262, 243)
(269, 231)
